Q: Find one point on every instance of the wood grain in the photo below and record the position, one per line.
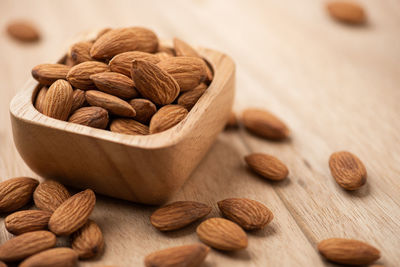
(335, 86)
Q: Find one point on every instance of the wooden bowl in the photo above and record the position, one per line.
(145, 169)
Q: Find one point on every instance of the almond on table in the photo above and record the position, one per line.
(267, 166)
(16, 193)
(346, 11)
(88, 241)
(23, 31)
(60, 257)
(49, 195)
(27, 221)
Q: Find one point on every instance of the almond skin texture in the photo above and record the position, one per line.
(167, 117)
(27, 221)
(267, 166)
(58, 100)
(189, 99)
(95, 117)
(144, 108)
(113, 104)
(122, 40)
(348, 170)
(178, 214)
(348, 251)
(27, 244)
(249, 214)
(73, 213)
(80, 52)
(153, 83)
(60, 257)
(128, 126)
(115, 83)
(189, 255)
(88, 241)
(187, 71)
(79, 75)
(222, 234)
(23, 31)
(264, 124)
(16, 193)
(39, 102)
(78, 99)
(49, 195)
(346, 12)
(47, 74)
(122, 63)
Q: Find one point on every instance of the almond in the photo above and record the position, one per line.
(187, 71)
(46, 74)
(78, 99)
(88, 241)
(60, 257)
(348, 170)
(95, 117)
(116, 84)
(264, 124)
(16, 193)
(189, 99)
(39, 102)
(178, 214)
(122, 40)
(167, 117)
(122, 63)
(222, 234)
(232, 121)
(184, 49)
(58, 100)
(163, 55)
(166, 49)
(26, 245)
(2, 264)
(27, 221)
(111, 103)
(79, 75)
(144, 108)
(347, 12)
(267, 166)
(73, 213)
(348, 251)
(49, 195)
(23, 31)
(80, 52)
(153, 83)
(128, 126)
(189, 255)
(248, 213)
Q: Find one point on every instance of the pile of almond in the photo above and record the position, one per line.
(57, 213)
(124, 81)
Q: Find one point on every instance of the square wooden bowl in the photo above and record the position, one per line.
(145, 169)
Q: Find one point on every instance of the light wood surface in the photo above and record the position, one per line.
(337, 87)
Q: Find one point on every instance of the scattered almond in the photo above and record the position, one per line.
(95, 117)
(60, 257)
(178, 214)
(39, 102)
(348, 251)
(144, 108)
(167, 117)
(116, 84)
(16, 193)
(78, 99)
(27, 221)
(111, 103)
(58, 100)
(88, 241)
(345, 11)
(80, 52)
(23, 31)
(128, 126)
(267, 166)
(189, 99)
(46, 74)
(49, 195)
(232, 121)
(122, 63)
(79, 75)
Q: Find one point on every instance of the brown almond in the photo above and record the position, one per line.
(264, 124)
(49, 195)
(58, 100)
(113, 104)
(166, 49)
(153, 83)
(27, 221)
(267, 166)
(80, 52)
(78, 99)
(348, 251)
(232, 121)
(188, 255)
(122, 63)
(46, 74)
(222, 234)
(248, 213)
(25, 245)
(178, 214)
(23, 31)
(163, 55)
(347, 12)
(184, 49)
(60, 257)
(115, 83)
(95, 117)
(39, 102)
(88, 241)
(144, 108)
(122, 40)
(2, 264)
(167, 117)
(73, 213)
(16, 193)
(187, 71)
(79, 75)
(348, 170)
(128, 126)
(189, 99)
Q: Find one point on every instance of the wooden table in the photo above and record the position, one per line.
(336, 86)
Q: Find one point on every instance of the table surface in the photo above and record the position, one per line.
(336, 86)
